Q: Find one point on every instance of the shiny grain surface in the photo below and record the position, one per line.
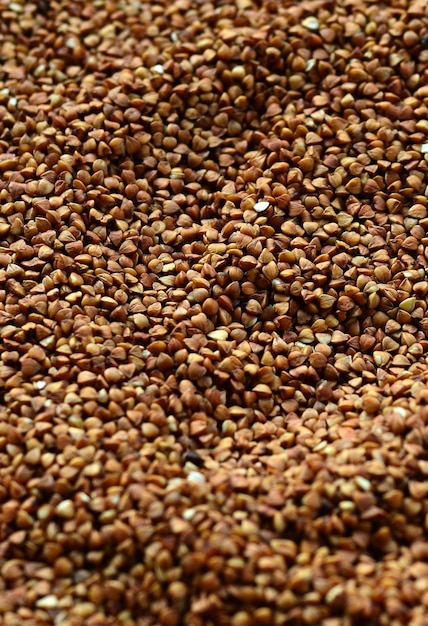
(213, 303)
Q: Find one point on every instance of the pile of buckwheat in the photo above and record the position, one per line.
(213, 313)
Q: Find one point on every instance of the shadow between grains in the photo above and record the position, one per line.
(213, 313)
